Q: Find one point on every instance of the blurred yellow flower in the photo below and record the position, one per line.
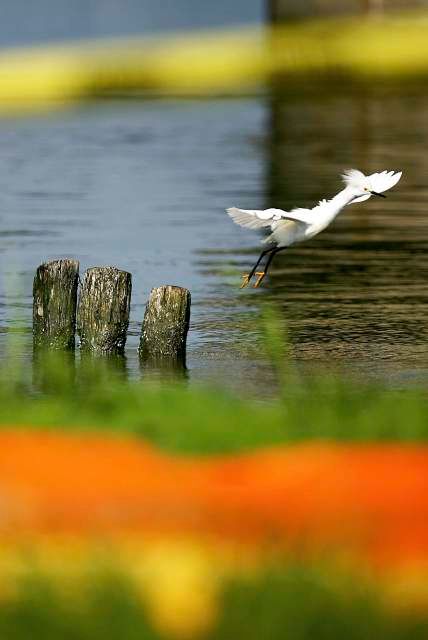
(179, 584)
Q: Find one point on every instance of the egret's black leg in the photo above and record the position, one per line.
(269, 260)
(247, 276)
(261, 256)
(262, 274)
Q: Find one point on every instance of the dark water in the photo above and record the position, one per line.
(143, 186)
(356, 297)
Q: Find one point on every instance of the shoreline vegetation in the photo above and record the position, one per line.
(203, 420)
(157, 510)
(216, 580)
(93, 394)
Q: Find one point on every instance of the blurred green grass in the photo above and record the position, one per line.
(290, 602)
(194, 420)
(93, 394)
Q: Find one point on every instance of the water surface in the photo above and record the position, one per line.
(24, 23)
(143, 186)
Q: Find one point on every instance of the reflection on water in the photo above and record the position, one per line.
(356, 296)
(143, 186)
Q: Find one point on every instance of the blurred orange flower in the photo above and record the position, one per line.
(308, 498)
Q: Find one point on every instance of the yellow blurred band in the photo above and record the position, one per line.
(222, 62)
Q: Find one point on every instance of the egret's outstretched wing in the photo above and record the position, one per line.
(253, 219)
(383, 181)
(250, 218)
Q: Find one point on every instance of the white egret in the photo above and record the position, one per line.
(297, 225)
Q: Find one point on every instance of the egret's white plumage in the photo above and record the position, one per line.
(290, 227)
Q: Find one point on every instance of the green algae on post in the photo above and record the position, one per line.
(165, 326)
(54, 304)
(103, 311)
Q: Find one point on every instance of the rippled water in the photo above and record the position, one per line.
(143, 186)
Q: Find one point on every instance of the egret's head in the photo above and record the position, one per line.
(360, 185)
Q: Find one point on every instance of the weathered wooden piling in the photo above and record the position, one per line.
(165, 327)
(54, 304)
(103, 311)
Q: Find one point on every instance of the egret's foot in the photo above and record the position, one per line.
(245, 280)
(260, 275)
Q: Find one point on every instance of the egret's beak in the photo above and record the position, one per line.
(375, 193)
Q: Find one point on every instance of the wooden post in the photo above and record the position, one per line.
(103, 312)
(165, 327)
(54, 304)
